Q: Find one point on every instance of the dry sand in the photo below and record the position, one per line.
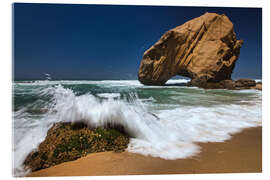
(242, 153)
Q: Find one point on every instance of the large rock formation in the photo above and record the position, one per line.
(203, 48)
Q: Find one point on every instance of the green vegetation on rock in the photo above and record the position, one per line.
(70, 141)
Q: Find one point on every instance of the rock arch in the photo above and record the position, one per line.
(203, 48)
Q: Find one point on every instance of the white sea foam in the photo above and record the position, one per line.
(258, 80)
(106, 83)
(109, 95)
(169, 134)
(150, 99)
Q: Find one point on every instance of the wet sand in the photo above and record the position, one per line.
(241, 154)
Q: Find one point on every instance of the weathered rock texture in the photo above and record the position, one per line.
(205, 48)
(67, 142)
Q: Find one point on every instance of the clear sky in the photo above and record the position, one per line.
(108, 41)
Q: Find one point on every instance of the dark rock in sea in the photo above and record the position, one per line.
(245, 83)
(70, 141)
(204, 49)
(226, 84)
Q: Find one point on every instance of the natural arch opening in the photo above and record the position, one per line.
(177, 81)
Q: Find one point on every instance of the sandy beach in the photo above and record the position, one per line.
(241, 154)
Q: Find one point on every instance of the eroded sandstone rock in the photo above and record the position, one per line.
(202, 48)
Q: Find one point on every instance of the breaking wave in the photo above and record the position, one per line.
(165, 133)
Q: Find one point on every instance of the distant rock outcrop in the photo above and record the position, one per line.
(204, 48)
(227, 84)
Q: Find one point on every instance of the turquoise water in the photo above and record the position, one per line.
(165, 121)
(27, 94)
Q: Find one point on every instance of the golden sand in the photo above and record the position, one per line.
(242, 153)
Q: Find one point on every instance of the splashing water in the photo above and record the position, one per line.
(163, 122)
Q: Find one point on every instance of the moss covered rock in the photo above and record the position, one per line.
(67, 142)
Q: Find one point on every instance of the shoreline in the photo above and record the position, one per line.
(240, 154)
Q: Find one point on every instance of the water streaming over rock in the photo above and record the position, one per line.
(163, 121)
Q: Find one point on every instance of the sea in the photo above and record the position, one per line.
(163, 121)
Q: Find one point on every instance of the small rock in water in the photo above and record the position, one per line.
(226, 84)
(245, 83)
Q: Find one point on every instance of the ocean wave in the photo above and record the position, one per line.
(109, 83)
(109, 95)
(165, 133)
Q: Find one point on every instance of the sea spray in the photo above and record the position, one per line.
(162, 121)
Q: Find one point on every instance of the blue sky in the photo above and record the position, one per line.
(107, 42)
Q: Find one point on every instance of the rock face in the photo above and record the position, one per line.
(203, 48)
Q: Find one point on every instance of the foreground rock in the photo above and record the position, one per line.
(226, 84)
(67, 142)
(205, 47)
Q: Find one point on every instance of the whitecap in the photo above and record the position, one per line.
(166, 133)
(109, 95)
